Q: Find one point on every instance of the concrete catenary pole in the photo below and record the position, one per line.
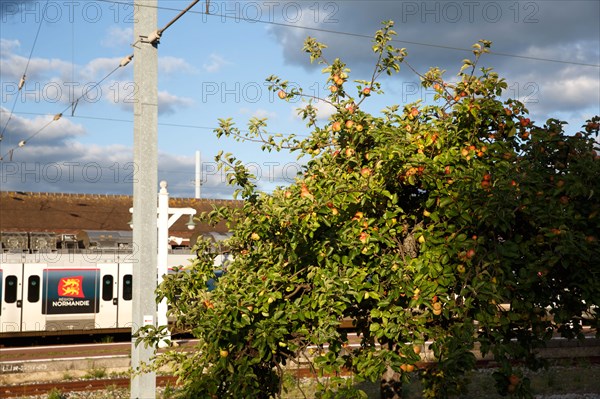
(145, 158)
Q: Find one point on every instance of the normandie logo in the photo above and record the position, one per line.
(71, 287)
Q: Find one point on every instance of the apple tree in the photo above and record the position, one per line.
(444, 227)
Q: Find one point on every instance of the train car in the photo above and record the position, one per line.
(75, 283)
(68, 293)
(99, 240)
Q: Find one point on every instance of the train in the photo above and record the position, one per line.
(68, 284)
(83, 241)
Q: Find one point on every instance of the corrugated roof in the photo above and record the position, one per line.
(69, 213)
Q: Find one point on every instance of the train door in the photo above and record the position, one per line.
(32, 318)
(125, 296)
(108, 296)
(11, 290)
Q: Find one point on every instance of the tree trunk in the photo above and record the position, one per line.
(391, 385)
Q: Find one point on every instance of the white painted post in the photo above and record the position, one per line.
(198, 174)
(163, 252)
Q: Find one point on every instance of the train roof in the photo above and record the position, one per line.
(63, 213)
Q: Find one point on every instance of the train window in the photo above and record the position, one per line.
(10, 286)
(33, 288)
(127, 287)
(107, 288)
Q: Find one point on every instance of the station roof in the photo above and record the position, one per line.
(63, 213)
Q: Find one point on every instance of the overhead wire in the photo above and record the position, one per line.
(164, 171)
(178, 125)
(362, 36)
(73, 105)
(155, 36)
(58, 116)
(24, 77)
(152, 37)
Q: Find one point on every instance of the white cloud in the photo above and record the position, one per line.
(170, 65)
(50, 80)
(98, 68)
(216, 63)
(258, 113)
(40, 70)
(43, 128)
(12, 67)
(57, 161)
(324, 110)
(573, 92)
(566, 92)
(7, 45)
(117, 36)
(77, 167)
(168, 103)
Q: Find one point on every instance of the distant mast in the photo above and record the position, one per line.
(198, 175)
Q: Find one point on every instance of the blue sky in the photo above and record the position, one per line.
(214, 66)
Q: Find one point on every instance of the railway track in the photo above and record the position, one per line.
(25, 390)
(41, 389)
(57, 352)
(560, 351)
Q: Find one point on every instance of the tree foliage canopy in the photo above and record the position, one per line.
(456, 225)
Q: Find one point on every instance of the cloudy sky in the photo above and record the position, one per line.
(214, 66)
